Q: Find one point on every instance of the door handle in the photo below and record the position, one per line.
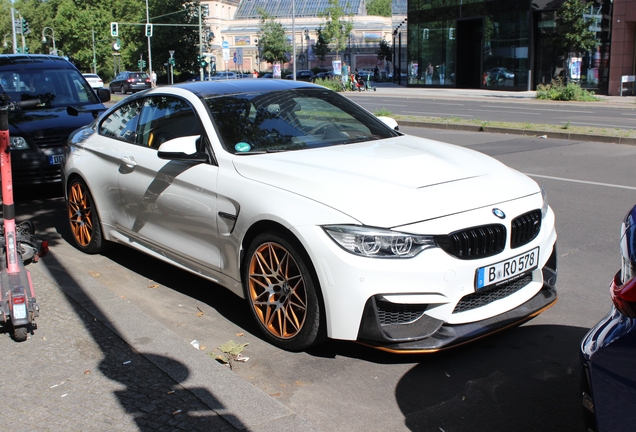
(129, 161)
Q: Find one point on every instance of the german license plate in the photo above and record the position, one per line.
(56, 159)
(19, 311)
(501, 271)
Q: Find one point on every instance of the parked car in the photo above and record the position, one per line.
(499, 76)
(324, 75)
(267, 75)
(130, 82)
(38, 134)
(329, 221)
(608, 369)
(94, 80)
(224, 76)
(303, 75)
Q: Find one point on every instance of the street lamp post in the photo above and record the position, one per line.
(307, 48)
(52, 36)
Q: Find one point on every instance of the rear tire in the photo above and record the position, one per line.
(20, 333)
(281, 290)
(83, 218)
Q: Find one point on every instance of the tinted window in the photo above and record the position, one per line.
(53, 87)
(292, 120)
(122, 123)
(164, 118)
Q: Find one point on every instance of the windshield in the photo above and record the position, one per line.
(292, 120)
(53, 87)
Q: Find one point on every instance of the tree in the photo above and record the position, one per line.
(272, 44)
(336, 30)
(385, 52)
(321, 48)
(379, 8)
(574, 32)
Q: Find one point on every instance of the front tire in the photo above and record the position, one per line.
(83, 218)
(282, 292)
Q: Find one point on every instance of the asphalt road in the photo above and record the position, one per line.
(513, 110)
(523, 379)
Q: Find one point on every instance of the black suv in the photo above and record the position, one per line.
(303, 75)
(38, 135)
(130, 82)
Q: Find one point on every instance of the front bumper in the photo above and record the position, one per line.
(427, 334)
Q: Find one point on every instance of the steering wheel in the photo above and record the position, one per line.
(325, 129)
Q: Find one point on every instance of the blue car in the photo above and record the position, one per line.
(608, 351)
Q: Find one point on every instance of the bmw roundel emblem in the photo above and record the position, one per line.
(500, 214)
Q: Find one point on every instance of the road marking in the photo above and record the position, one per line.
(582, 181)
(542, 109)
(438, 114)
(508, 112)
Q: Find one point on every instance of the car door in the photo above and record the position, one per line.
(171, 205)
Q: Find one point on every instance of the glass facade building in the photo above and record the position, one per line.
(499, 44)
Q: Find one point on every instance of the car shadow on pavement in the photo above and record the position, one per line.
(521, 379)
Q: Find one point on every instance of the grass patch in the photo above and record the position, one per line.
(542, 128)
(558, 90)
(383, 112)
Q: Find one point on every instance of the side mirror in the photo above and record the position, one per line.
(390, 122)
(182, 148)
(103, 94)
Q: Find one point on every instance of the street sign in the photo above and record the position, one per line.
(225, 45)
(226, 54)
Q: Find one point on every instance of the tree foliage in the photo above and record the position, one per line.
(336, 29)
(575, 35)
(385, 52)
(321, 47)
(272, 44)
(379, 8)
(76, 23)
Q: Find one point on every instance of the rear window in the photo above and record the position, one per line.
(139, 75)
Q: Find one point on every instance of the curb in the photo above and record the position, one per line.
(529, 132)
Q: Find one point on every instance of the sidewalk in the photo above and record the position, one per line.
(481, 94)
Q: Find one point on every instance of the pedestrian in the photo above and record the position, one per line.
(153, 79)
(441, 71)
(255, 74)
(375, 74)
(345, 75)
(429, 74)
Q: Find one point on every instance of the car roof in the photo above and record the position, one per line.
(212, 88)
(34, 61)
(91, 75)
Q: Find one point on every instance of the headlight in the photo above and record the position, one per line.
(378, 243)
(18, 143)
(544, 206)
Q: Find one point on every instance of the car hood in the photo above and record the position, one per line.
(391, 182)
(41, 122)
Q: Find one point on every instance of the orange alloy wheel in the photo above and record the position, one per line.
(277, 290)
(80, 213)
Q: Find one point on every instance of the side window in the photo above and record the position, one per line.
(164, 118)
(122, 123)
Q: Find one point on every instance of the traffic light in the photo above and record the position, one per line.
(149, 30)
(202, 62)
(114, 29)
(25, 27)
